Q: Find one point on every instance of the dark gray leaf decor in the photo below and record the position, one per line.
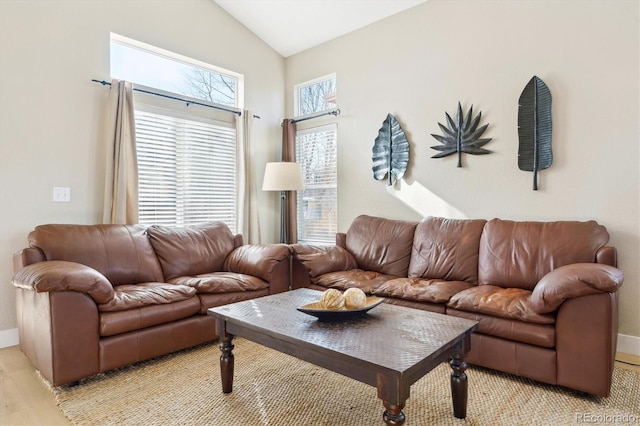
(390, 151)
(461, 135)
(534, 128)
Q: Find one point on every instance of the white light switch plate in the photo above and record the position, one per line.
(61, 194)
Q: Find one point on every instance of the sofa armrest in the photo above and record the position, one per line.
(321, 260)
(299, 275)
(60, 275)
(59, 334)
(607, 255)
(586, 337)
(572, 281)
(26, 257)
(258, 260)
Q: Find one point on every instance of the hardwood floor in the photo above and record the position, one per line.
(26, 400)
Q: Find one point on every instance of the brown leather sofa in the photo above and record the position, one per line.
(91, 298)
(544, 293)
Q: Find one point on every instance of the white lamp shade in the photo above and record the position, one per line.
(282, 176)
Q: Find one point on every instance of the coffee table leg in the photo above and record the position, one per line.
(226, 359)
(459, 386)
(393, 414)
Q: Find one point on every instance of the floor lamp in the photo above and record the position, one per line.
(283, 176)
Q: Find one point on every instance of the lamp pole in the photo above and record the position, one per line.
(283, 217)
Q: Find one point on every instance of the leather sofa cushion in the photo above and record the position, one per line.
(122, 253)
(446, 249)
(112, 323)
(519, 254)
(438, 308)
(320, 260)
(381, 245)
(511, 303)
(259, 260)
(131, 296)
(221, 282)
(211, 300)
(421, 290)
(519, 331)
(192, 250)
(367, 281)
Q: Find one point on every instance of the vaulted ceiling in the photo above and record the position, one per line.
(291, 26)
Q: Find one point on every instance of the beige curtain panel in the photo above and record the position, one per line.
(121, 180)
(248, 223)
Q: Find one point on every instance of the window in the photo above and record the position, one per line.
(186, 170)
(316, 150)
(186, 153)
(317, 153)
(315, 96)
(150, 66)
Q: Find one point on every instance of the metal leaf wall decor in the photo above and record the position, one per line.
(390, 151)
(461, 135)
(534, 128)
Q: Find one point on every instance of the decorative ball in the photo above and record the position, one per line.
(354, 298)
(332, 299)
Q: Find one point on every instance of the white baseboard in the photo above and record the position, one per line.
(628, 344)
(8, 338)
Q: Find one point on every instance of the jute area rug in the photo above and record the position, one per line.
(271, 388)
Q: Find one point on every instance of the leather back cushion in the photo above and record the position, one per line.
(519, 254)
(321, 260)
(381, 245)
(122, 253)
(191, 250)
(446, 249)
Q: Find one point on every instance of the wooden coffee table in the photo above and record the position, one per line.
(390, 347)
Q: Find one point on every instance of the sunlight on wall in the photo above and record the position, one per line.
(423, 201)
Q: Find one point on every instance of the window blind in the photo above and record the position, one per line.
(187, 170)
(316, 151)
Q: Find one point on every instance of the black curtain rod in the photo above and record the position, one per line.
(335, 112)
(187, 101)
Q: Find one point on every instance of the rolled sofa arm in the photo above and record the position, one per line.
(572, 281)
(60, 275)
(27, 256)
(258, 260)
(321, 260)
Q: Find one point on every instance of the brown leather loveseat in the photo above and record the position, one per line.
(91, 298)
(544, 293)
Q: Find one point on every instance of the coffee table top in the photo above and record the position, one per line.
(388, 337)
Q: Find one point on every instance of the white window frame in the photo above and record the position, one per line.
(194, 111)
(157, 105)
(176, 57)
(319, 123)
(325, 125)
(296, 94)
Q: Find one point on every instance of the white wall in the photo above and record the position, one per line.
(51, 112)
(420, 63)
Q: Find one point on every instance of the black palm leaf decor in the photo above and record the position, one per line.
(390, 151)
(461, 135)
(534, 128)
